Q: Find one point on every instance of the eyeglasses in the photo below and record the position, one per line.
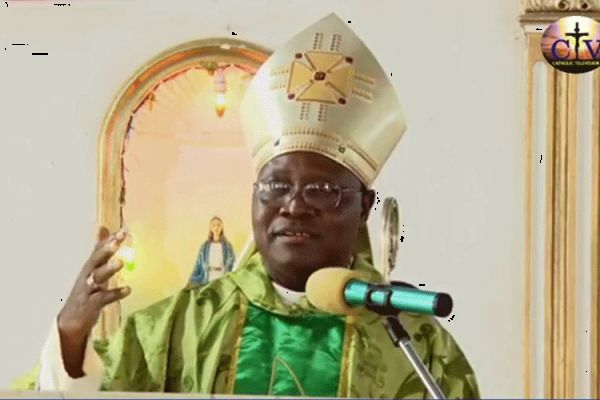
(322, 196)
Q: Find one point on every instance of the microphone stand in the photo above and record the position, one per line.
(400, 338)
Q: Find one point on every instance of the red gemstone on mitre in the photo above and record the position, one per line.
(319, 76)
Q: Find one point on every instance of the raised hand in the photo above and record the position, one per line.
(89, 295)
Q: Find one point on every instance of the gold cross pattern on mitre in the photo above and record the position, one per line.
(323, 92)
(322, 77)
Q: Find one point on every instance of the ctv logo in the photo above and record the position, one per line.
(572, 44)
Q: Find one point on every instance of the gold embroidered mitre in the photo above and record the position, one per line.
(323, 92)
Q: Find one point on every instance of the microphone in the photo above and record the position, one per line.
(341, 291)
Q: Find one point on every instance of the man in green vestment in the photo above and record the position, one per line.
(320, 118)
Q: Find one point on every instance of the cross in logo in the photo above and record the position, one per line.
(577, 36)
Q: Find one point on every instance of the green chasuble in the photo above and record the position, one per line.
(236, 336)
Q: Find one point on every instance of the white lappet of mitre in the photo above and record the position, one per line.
(323, 92)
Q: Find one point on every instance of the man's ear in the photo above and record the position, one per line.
(368, 199)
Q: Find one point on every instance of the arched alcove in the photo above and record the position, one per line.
(154, 109)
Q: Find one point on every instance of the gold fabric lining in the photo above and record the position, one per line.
(290, 371)
(238, 343)
(343, 388)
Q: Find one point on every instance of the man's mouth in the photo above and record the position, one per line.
(295, 234)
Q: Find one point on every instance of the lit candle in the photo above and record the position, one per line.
(220, 90)
(220, 104)
(127, 256)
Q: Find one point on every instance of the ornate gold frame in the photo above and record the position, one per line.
(561, 178)
(595, 334)
(131, 95)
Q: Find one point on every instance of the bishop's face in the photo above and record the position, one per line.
(298, 226)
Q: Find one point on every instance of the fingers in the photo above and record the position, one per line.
(121, 234)
(105, 272)
(106, 297)
(104, 236)
(101, 255)
(106, 249)
(103, 233)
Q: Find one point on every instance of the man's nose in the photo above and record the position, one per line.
(297, 206)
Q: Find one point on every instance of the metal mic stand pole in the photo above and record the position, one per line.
(401, 339)
(394, 328)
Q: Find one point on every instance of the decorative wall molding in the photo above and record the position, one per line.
(546, 11)
(579, 6)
